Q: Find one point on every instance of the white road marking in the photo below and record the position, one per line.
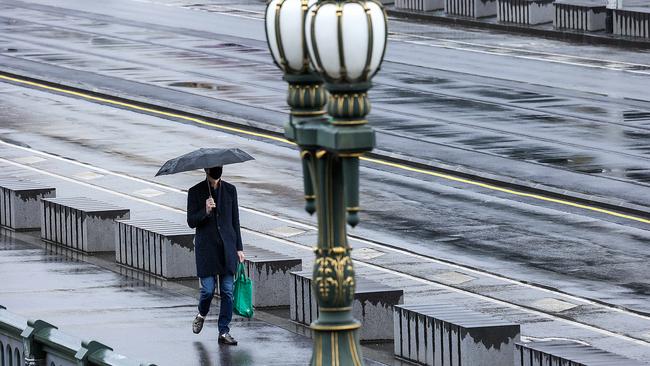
(148, 192)
(553, 305)
(88, 175)
(29, 159)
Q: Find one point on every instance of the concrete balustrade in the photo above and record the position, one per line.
(80, 223)
(36, 342)
(20, 203)
(471, 8)
(11, 343)
(530, 12)
(373, 305)
(270, 273)
(583, 15)
(632, 21)
(566, 353)
(157, 247)
(420, 5)
(448, 335)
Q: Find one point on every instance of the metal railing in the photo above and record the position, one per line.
(36, 343)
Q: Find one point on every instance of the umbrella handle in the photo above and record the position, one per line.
(209, 192)
(209, 188)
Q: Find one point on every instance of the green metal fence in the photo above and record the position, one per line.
(38, 343)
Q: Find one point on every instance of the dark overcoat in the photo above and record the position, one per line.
(222, 224)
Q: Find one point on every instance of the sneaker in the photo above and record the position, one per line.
(197, 324)
(226, 338)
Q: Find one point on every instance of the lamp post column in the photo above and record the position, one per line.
(346, 40)
(284, 25)
(335, 167)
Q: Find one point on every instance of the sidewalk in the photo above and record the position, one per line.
(138, 319)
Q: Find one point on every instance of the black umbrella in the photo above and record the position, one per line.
(203, 158)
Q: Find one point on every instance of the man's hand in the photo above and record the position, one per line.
(240, 253)
(209, 205)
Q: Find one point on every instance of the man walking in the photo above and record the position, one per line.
(213, 211)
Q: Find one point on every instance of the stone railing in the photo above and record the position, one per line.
(80, 223)
(529, 12)
(566, 353)
(449, 335)
(471, 8)
(20, 202)
(582, 15)
(35, 343)
(632, 21)
(271, 274)
(373, 305)
(156, 247)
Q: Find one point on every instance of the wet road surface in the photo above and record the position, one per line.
(580, 255)
(550, 113)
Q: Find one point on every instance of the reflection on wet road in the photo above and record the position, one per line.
(580, 133)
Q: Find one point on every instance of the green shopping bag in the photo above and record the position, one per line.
(243, 293)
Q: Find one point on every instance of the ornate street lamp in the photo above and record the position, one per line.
(345, 41)
(284, 20)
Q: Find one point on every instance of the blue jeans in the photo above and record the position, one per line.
(225, 293)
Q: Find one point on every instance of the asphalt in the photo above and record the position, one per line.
(518, 112)
(463, 246)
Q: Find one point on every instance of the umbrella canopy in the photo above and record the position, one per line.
(203, 158)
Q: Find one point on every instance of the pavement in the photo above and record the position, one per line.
(143, 321)
(85, 149)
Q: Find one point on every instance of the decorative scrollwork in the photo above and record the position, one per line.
(334, 276)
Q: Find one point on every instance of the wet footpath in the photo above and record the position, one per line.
(136, 317)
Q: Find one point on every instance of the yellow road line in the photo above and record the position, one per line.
(370, 160)
(506, 190)
(144, 109)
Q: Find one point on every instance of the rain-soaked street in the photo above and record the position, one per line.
(565, 118)
(542, 112)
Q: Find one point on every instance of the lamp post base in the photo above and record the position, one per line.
(336, 345)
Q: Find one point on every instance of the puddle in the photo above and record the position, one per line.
(104, 41)
(639, 175)
(192, 84)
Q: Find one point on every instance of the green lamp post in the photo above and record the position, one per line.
(284, 21)
(345, 42)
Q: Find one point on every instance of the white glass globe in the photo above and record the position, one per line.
(346, 40)
(285, 21)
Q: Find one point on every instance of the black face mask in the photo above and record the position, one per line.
(215, 173)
